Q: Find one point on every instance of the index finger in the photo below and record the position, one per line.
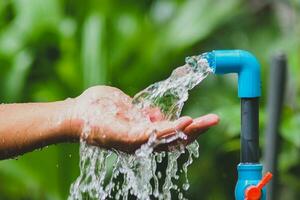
(200, 125)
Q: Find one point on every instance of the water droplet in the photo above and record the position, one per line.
(186, 186)
(159, 174)
(180, 196)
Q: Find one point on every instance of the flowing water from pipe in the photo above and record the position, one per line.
(110, 174)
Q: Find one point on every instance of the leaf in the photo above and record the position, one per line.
(17, 76)
(290, 129)
(32, 18)
(196, 20)
(93, 54)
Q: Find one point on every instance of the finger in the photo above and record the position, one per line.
(199, 126)
(170, 128)
(193, 130)
(179, 141)
(203, 122)
(138, 135)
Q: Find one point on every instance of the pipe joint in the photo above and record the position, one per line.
(242, 63)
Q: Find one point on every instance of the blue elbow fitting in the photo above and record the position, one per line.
(241, 62)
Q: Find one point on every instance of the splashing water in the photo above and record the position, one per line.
(110, 174)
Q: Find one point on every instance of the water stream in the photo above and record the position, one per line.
(110, 174)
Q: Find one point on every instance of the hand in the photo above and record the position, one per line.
(105, 116)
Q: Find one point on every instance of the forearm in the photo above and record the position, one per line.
(28, 126)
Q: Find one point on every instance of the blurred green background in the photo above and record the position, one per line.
(51, 50)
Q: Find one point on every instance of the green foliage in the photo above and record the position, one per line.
(51, 49)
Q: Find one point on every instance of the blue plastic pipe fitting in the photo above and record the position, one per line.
(246, 66)
(248, 175)
(241, 62)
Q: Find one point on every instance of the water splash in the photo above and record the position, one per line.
(137, 174)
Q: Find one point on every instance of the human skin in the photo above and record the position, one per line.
(102, 116)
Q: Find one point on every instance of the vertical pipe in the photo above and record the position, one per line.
(249, 130)
(276, 90)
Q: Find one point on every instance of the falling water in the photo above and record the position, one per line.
(110, 174)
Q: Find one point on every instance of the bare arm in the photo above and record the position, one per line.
(113, 122)
(28, 126)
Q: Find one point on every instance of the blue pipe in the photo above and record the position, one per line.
(246, 66)
(241, 62)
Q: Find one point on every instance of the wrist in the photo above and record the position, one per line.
(69, 125)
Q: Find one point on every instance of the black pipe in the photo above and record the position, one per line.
(276, 90)
(249, 130)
